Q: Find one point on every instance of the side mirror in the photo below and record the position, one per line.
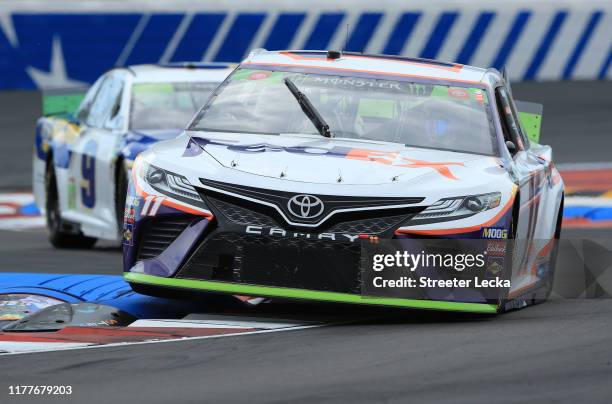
(511, 147)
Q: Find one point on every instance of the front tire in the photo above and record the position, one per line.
(121, 189)
(59, 237)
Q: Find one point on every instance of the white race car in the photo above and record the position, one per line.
(301, 157)
(81, 158)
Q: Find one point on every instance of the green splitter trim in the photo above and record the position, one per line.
(270, 291)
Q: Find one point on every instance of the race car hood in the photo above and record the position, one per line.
(318, 160)
(136, 142)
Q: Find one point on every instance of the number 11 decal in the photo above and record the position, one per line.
(151, 205)
(88, 174)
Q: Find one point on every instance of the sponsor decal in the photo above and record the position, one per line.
(461, 93)
(305, 206)
(494, 233)
(131, 205)
(259, 75)
(128, 234)
(496, 248)
(394, 159)
(495, 265)
(359, 82)
(130, 216)
(278, 232)
(72, 194)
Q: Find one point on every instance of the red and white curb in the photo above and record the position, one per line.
(18, 212)
(139, 332)
(588, 195)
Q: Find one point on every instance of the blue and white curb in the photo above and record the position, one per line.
(591, 208)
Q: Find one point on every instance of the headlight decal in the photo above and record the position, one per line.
(460, 230)
(459, 207)
(179, 194)
(171, 184)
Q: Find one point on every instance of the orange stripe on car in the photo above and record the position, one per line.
(532, 201)
(372, 155)
(456, 68)
(441, 167)
(389, 158)
(376, 72)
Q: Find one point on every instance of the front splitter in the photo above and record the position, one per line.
(315, 295)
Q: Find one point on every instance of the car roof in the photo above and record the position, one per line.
(369, 64)
(181, 72)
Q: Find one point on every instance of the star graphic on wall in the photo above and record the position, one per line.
(6, 25)
(56, 77)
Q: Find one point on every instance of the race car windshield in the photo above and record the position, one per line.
(415, 114)
(166, 105)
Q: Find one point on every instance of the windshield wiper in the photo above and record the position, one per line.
(309, 109)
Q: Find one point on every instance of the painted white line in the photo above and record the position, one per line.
(20, 198)
(14, 347)
(601, 165)
(214, 323)
(22, 223)
(123, 344)
(185, 324)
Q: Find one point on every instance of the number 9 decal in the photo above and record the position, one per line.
(88, 174)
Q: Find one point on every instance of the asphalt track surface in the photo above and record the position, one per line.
(559, 351)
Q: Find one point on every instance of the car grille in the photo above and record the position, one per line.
(158, 234)
(374, 225)
(240, 215)
(262, 200)
(281, 262)
(374, 222)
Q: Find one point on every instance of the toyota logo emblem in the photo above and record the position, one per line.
(305, 206)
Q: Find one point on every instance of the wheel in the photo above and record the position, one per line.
(121, 188)
(59, 234)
